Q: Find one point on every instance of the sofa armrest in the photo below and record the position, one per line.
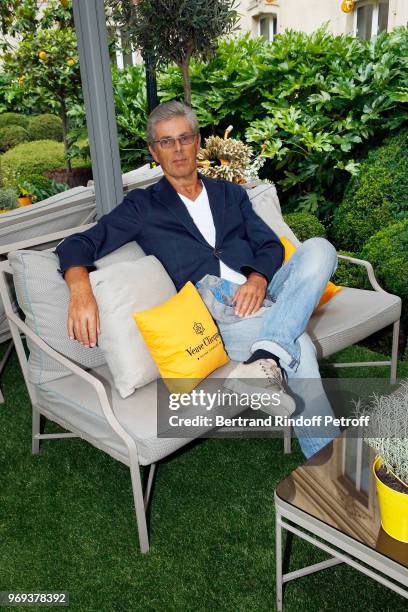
(78, 371)
(44, 240)
(365, 264)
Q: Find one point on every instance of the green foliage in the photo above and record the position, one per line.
(42, 187)
(351, 275)
(11, 136)
(45, 127)
(131, 115)
(129, 88)
(169, 31)
(226, 89)
(377, 197)
(387, 250)
(7, 119)
(8, 198)
(317, 101)
(325, 96)
(305, 225)
(32, 158)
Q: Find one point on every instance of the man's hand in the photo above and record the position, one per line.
(249, 297)
(83, 315)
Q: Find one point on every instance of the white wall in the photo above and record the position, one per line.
(308, 15)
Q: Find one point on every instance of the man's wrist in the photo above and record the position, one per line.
(258, 276)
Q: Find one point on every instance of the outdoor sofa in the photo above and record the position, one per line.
(73, 386)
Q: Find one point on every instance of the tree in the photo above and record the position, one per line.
(175, 31)
(45, 62)
(20, 17)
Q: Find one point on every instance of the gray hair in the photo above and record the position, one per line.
(168, 110)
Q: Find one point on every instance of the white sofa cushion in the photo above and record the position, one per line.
(120, 290)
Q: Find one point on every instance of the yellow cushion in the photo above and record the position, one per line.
(331, 288)
(183, 339)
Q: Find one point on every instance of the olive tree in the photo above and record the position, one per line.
(175, 31)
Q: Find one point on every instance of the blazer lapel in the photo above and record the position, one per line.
(168, 196)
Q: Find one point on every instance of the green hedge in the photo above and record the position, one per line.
(45, 127)
(387, 250)
(11, 136)
(377, 197)
(7, 119)
(305, 225)
(32, 158)
(351, 275)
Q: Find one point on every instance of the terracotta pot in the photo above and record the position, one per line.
(25, 200)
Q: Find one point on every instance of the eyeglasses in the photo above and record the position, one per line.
(170, 143)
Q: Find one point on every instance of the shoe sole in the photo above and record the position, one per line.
(286, 407)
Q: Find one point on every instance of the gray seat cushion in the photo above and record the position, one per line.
(73, 404)
(43, 296)
(350, 316)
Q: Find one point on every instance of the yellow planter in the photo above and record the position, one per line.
(393, 507)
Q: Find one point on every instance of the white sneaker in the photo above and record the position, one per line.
(262, 376)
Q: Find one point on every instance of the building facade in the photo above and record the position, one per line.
(368, 17)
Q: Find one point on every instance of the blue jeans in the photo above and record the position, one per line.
(296, 290)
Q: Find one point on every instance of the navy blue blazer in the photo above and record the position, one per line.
(158, 220)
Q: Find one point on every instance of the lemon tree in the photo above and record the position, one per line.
(46, 64)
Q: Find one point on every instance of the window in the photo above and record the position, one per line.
(371, 18)
(268, 27)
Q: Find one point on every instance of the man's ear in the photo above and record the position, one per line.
(152, 153)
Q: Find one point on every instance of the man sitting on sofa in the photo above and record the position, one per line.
(197, 226)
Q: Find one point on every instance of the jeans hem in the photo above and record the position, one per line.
(278, 350)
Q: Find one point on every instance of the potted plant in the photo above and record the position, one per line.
(387, 434)
(24, 196)
(8, 199)
(229, 159)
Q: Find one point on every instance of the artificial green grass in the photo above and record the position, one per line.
(67, 523)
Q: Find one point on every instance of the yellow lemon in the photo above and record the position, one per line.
(42, 55)
(65, 3)
(71, 61)
(347, 6)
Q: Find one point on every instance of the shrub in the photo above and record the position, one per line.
(32, 158)
(8, 198)
(351, 275)
(305, 225)
(45, 127)
(7, 119)
(377, 197)
(388, 252)
(11, 136)
(42, 187)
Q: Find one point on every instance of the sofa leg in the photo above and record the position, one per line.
(287, 440)
(3, 363)
(139, 506)
(148, 490)
(36, 427)
(394, 353)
